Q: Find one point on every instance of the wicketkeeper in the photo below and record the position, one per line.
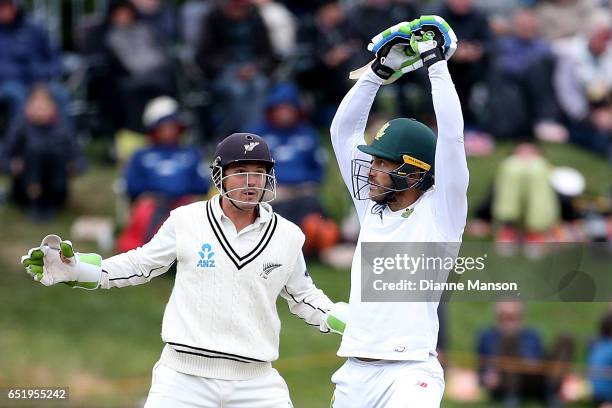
(234, 256)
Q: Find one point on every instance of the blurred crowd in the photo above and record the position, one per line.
(158, 83)
(526, 71)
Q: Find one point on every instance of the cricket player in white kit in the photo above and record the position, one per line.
(234, 256)
(391, 347)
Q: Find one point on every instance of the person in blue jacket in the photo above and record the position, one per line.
(299, 165)
(27, 57)
(507, 345)
(162, 176)
(600, 363)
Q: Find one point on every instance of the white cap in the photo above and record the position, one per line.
(158, 109)
(567, 181)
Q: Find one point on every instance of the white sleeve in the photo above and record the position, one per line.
(569, 92)
(142, 264)
(348, 127)
(304, 298)
(451, 171)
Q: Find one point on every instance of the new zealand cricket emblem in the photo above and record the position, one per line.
(268, 268)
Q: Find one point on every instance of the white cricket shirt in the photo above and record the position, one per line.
(221, 320)
(402, 330)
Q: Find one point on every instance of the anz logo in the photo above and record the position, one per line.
(207, 257)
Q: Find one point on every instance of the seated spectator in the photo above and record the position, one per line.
(583, 82)
(370, 17)
(161, 177)
(43, 152)
(524, 65)
(569, 185)
(161, 17)
(299, 166)
(137, 68)
(281, 24)
(325, 60)
(26, 57)
(500, 12)
(600, 363)
(565, 18)
(236, 56)
(471, 63)
(523, 197)
(507, 352)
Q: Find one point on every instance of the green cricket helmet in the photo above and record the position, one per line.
(409, 143)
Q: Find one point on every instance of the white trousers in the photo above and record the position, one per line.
(169, 388)
(388, 384)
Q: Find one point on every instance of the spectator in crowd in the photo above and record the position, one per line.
(523, 198)
(137, 68)
(471, 63)
(303, 9)
(326, 51)
(500, 12)
(161, 177)
(281, 25)
(370, 17)
(299, 166)
(161, 17)
(524, 68)
(26, 57)
(600, 363)
(236, 55)
(565, 18)
(583, 82)
(42, 151)
(569, 185)
(506, 353)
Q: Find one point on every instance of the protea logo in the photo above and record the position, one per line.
(207, 257)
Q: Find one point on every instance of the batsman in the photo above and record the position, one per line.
(408, 185)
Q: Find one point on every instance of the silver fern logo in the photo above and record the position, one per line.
(268, 268)
(249, 147)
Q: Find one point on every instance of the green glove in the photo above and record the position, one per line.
(336, 318)
(55, 261)
(413, 44)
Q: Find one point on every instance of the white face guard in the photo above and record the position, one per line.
(247, 194)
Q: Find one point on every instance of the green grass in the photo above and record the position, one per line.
(103, 344)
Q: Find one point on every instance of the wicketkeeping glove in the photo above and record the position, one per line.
(336, 318)
(55, 261)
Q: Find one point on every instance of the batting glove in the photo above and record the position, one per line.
(432, 39)
(336, 318)
(393, 51)
(418, 34)
(55, 261)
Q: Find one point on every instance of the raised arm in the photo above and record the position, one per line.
(350, 121)
(451, 171)
(348, 128)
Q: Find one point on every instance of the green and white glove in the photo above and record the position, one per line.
(394, 52)
(418, 34)
(55, 261)
(432, 39)
(336, 317)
